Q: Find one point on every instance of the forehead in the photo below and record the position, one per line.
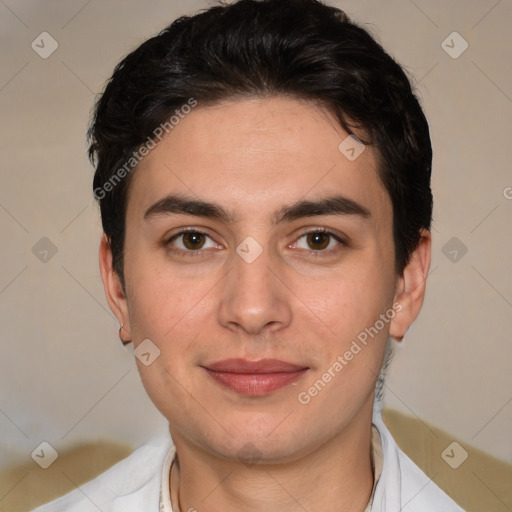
(259, 154)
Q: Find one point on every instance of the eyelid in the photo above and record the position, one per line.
(339, 238)
(183, 231)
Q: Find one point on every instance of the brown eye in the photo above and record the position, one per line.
(190, 243)
(318, 240)
(193, 240)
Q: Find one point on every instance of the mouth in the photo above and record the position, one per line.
(255, 378)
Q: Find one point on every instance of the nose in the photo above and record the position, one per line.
(255, 298)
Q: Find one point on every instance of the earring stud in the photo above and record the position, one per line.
(124, 342)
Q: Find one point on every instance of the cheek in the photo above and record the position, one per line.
(174, 312)
(358, 311)
(158, 298)
(354, 299)
(166, 311)
(352, 351)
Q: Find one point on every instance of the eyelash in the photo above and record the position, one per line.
(317, 253)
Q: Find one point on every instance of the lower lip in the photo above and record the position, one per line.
(256, 384)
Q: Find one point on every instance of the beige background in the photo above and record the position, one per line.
(65, 377)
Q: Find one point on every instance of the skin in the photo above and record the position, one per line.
(292, 303)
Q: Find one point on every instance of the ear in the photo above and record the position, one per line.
(410, 290)
(113, 289)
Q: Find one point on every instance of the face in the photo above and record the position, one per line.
(271, 277)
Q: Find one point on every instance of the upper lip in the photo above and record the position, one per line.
(246, 366)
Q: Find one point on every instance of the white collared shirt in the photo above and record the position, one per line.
(135, 483)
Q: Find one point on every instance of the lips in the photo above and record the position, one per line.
(246, 366)
(255, 378)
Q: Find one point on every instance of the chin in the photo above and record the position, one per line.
(252, 445)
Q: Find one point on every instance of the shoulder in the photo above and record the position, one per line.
(133, 479)
(403, 485)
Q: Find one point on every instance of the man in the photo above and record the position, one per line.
(263, 172)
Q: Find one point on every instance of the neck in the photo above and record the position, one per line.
(338, 475)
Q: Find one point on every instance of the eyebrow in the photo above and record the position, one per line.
(331, 205)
